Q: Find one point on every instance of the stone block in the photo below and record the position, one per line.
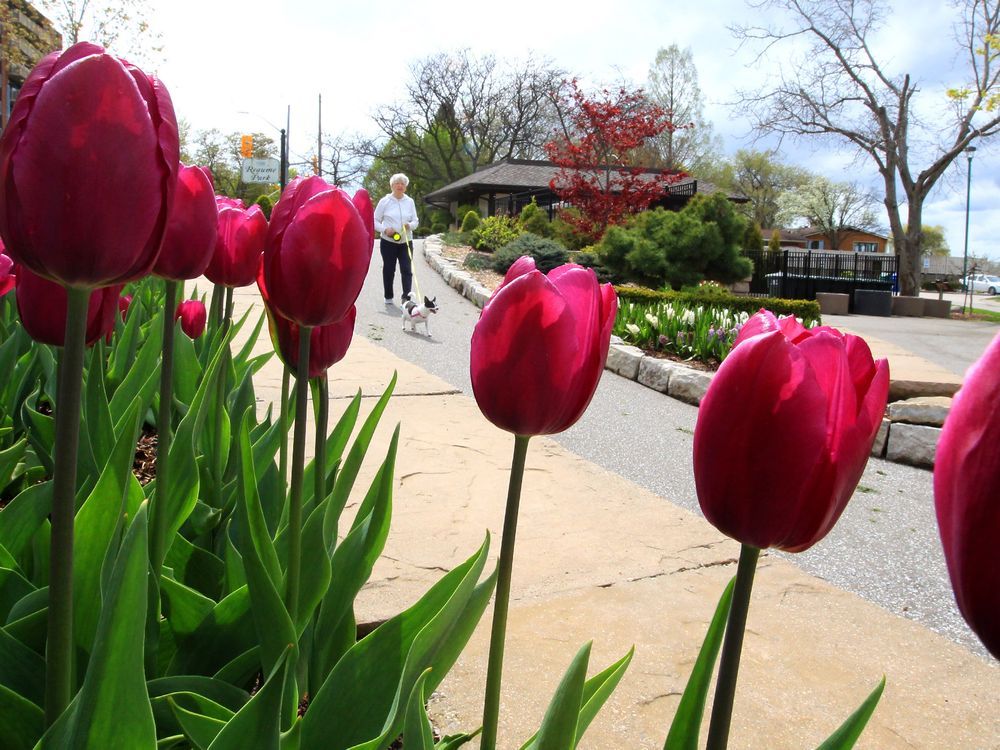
(911, 307)
(913, 444)
(903, 389)
(881, 439)
(831, 303)
(927, 410)
(655, 373)
(480, 295)
(688, 385)
(872, 302)
(624, 360)
(937, 308)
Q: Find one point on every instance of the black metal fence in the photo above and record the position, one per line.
(800, 274)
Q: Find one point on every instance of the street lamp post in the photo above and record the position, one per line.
(283, 173)
(969, 153)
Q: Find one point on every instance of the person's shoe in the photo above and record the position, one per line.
(388, 300)
(404, 299)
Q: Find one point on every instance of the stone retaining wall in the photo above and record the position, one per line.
(909, 432)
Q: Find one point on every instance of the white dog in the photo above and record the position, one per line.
(416, 314)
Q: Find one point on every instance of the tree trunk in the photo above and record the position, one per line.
(910, 249)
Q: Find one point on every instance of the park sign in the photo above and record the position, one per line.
(264, 171)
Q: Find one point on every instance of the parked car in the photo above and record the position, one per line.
(982, 282)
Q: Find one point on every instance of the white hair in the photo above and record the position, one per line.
(399, 177)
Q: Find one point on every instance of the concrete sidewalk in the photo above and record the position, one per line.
(599, 558)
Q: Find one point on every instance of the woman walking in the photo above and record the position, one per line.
(395, 220)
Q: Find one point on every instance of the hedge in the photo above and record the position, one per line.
(807, 310)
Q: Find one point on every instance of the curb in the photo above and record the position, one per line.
(909, 433)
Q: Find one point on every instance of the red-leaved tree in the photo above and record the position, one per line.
(595, 151)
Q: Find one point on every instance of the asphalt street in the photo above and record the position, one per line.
(885, 548)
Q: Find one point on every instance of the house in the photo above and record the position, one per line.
(26, 36)
(852, 240)
(506, 186)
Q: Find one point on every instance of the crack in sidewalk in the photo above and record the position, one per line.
(687, 569)
(452, 392)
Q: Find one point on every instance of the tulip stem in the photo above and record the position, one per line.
(216, 306)
(59, 644)
(286, 376)
(158, 535)
(219, 456)
(322, 418)
(491, 707)
(229, 306)
(729, 666)
(298, 466)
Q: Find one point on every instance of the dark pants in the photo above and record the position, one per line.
(392, 253)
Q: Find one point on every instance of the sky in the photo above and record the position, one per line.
(247, 65)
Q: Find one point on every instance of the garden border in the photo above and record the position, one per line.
(909, 432)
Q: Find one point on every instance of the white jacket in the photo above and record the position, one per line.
(391, 214)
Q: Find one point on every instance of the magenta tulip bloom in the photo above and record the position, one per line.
(41, 305)
(193, 228)
(967, 496)
(88, 164)
(363, 202)
(193, 317)
(784, 432)
(238, 246)
(7, 277)
(318, 250)
(224, 201)
(124, 301)
(539, 347)
(327, 344)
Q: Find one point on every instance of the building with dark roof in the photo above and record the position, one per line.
(850, 239)
(506, 186)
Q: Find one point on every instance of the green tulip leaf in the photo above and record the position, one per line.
(13, 588)
(455, 741)
(848, 732)
(186, 609)
(99, 426)
(222, 636)
(686, 726)
(21, 721)
(361, 703)
(112, 708)
(21, 669)
(125, 343)
(275, 629)
(9, 459)
(200, 730)
(352, 564)
(243, 355)
(315, 572)
(40, 430)
(559, 727)
(205, 695)
(348, 471)
(417, 731)
(187, 368)
(23, 516)
(241, 669)
(142, 378)
(196, 567)
(93, 532)
(335, 443)
(257, 724)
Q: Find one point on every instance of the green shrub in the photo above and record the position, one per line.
(752, 238)
(438, 228)
(465, 208)
(470, 221)
(441, 216)
(565, 232)
(457, 239)
(493, 233)
(476, 261)
(679, 248)
(774, 244)
(547, 253)
(266, 204)
(533, 219)
(423, 230)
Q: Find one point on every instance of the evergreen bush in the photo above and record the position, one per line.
(493, 233)
(533, 219)
(547, 253)
(470, 221)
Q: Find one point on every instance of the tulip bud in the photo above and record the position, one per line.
(41, 305)
(123, 304)
(193, 317)
(191, 234)
(318, 251)
(539, 347)
(784, 432)
(238, 247)
(88, 164)
(7, 277)
(967, 496)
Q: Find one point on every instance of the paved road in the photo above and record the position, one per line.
(885, 547)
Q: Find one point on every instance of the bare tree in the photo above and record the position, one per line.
(462, 112)
(839, 89)
(832, 207)
(342, 164)
(118, 25)
(673, 85)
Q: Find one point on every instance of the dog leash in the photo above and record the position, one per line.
(409, 252)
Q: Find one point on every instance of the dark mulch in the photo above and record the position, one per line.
(695, 364)
(144, 465)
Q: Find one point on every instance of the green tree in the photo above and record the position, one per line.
(759, 177)
(533, 219)
(833, 85)
(831, 207)
(933, 242)
(774, 244)
(689, 143)
(220, 153)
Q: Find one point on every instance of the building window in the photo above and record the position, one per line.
(815, 244)
(865, 247)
